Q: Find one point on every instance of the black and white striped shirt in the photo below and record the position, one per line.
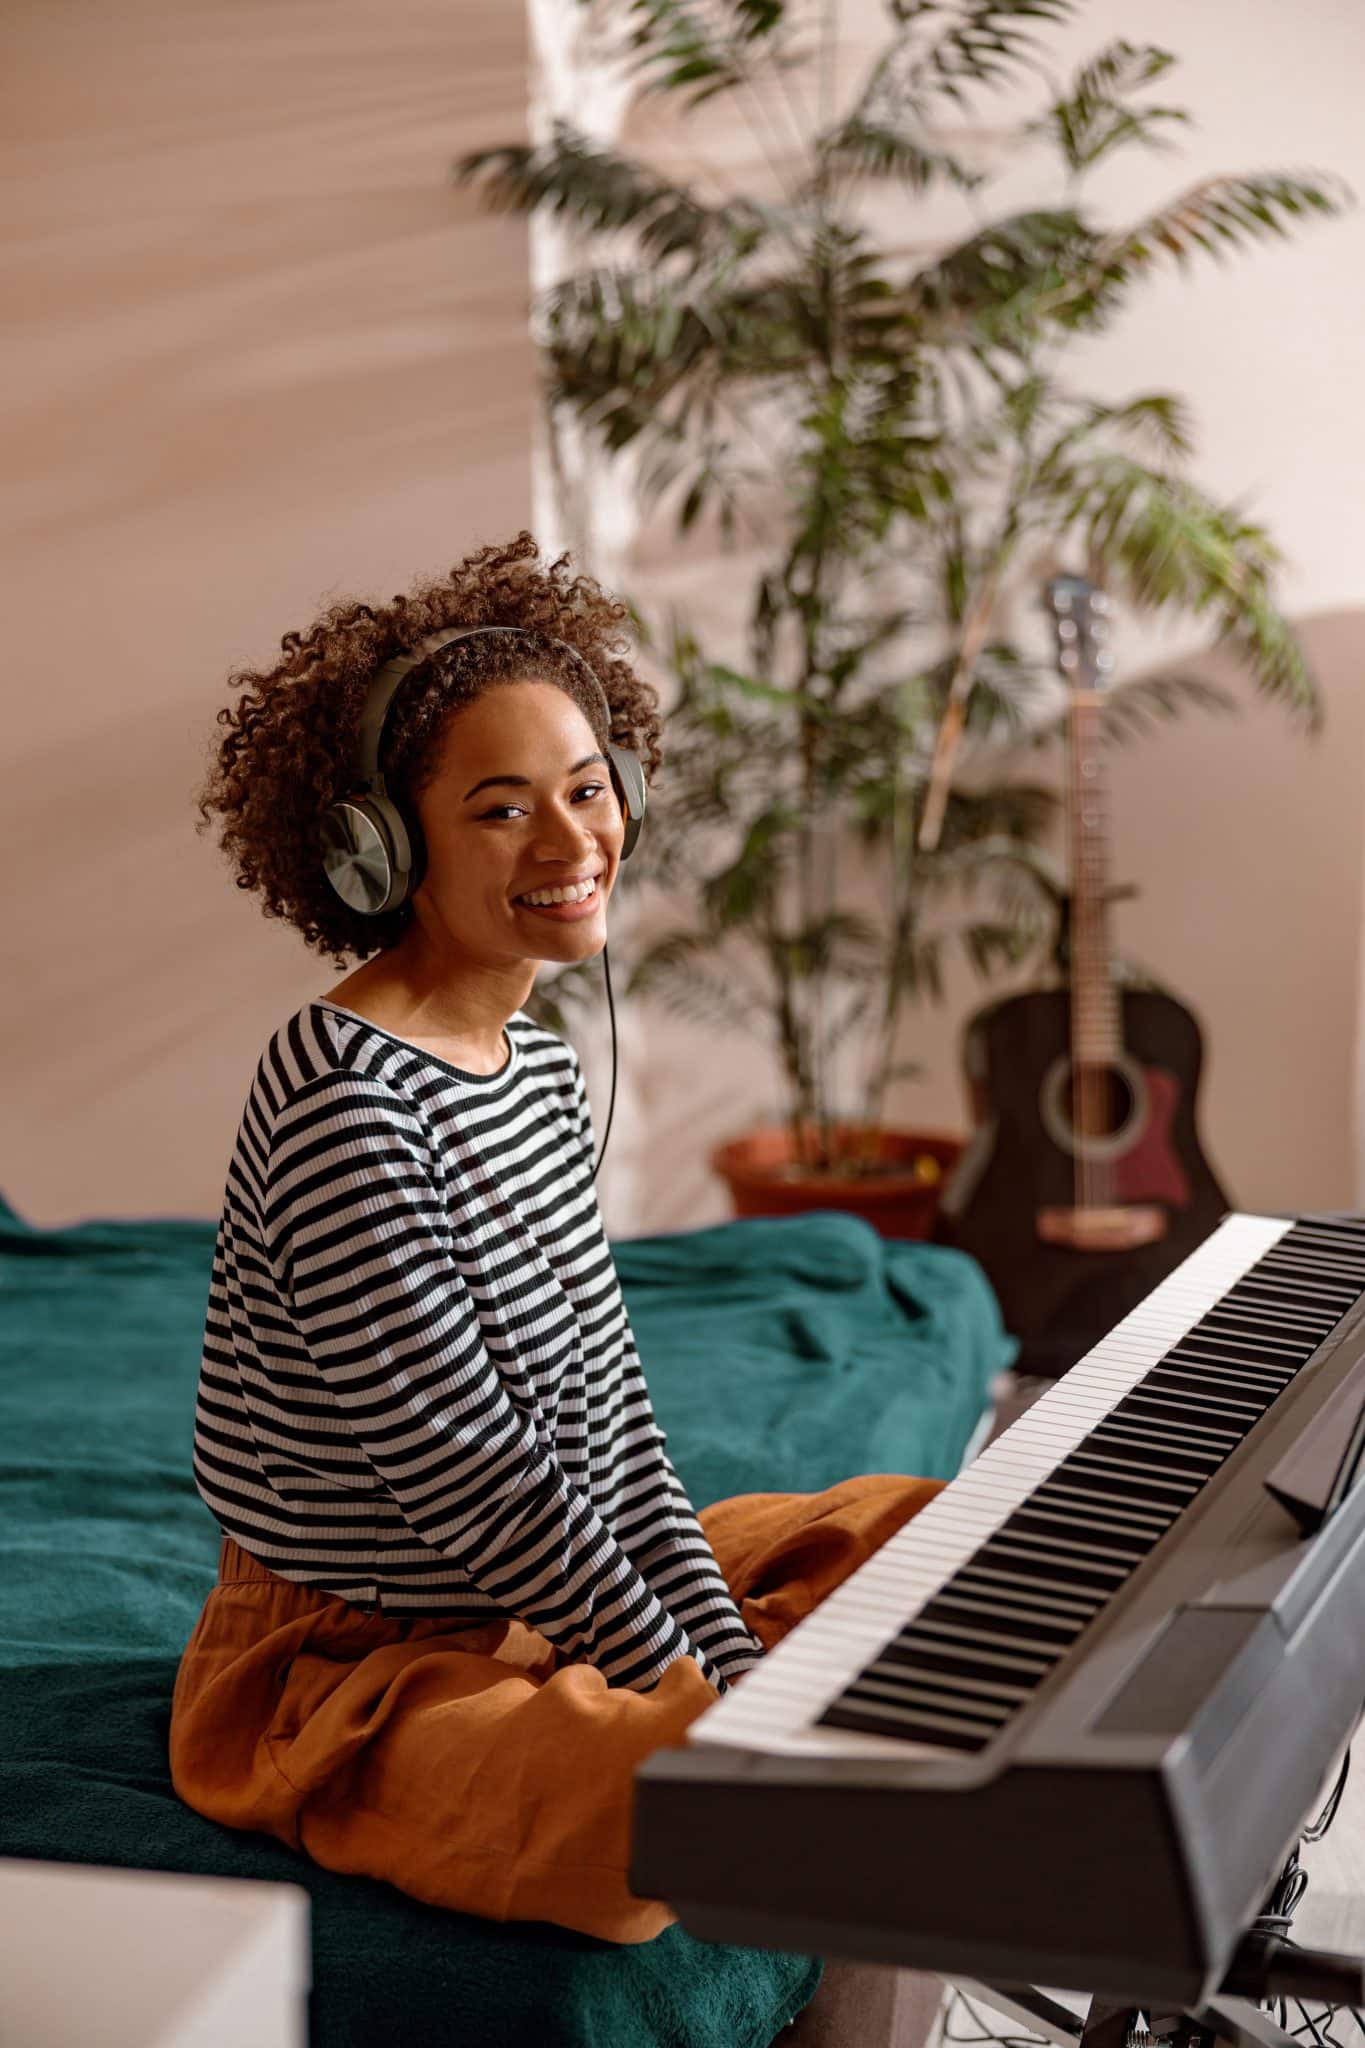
(420, 1390)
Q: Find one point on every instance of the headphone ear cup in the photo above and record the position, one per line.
(628, 780)
(410, 847)
(370, 857)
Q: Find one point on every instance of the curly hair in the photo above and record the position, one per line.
(289, 745)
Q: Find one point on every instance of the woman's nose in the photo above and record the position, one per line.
(568, 836)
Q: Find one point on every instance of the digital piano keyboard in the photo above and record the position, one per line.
(1064, 1727)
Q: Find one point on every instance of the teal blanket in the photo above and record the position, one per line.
(781, 1356)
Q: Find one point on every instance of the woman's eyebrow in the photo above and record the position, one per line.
(524, 781)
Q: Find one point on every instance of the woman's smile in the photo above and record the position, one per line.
(563, 900)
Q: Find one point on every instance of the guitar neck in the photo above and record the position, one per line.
(1095, 1024)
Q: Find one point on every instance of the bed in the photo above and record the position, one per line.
(782, 1354)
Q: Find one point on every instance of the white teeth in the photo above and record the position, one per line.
(576, 892)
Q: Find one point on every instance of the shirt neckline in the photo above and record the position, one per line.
(502, 1073)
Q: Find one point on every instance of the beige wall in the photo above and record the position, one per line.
(262, 354)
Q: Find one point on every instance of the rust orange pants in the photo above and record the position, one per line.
(474, 1767)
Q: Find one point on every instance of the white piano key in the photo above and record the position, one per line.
(775, 1707)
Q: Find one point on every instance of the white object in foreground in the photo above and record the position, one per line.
(143, 1959)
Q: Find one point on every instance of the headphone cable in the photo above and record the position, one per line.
(611, 1102)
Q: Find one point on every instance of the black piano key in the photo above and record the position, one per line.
(1270, 1377)
(1322, 1264)
(1084, 1511)
(1148, 1449)
(975, 1694)
(1220, 1410)
(1110, 1536)
(1310, 1234)
(1240, 1319)
(1010, 1624)
(1065, 1486)
(1196, 1422)
(1220, 1348)
(1255, 1347)
(1180, 1442)
(1007, 1551)
(1309, 1297)
(1026, 1587)
(1216, 1396)
(988, 1676)
(1287, 1347)
(1143, 1473)
(966, 1660)
(908, 1723)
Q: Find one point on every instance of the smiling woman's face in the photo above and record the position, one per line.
(521, 803)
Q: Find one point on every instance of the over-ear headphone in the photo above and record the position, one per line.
(373, 855)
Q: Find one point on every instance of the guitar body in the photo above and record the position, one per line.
(1022, 1160)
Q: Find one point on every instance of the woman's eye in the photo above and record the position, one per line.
(586, 789)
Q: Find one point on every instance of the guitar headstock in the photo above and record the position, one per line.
(1080, 620)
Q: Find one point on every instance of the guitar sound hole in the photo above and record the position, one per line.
(1097, 1101)
(1094, 1112)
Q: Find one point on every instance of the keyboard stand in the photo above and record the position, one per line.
(1266, 1967)
(1031, 2008)
(1235, 2021)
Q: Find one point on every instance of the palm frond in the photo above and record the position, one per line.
(1093, 118)
(740, 892)
(988, 286)
(794, 702)
(1168, 546)
(916, 971)
(1013, 810)
(620, 342)
(600, 191)
(1159, 417)
(1019, 873)
(697, 49)
(1134, 710)
(1223, 213)
(864, 148)
(841, 940)
(991, 944)
(988, 42)
(671, 970)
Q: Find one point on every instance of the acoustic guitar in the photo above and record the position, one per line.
(1084, 1182)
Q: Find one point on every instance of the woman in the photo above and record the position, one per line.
(461, 1591)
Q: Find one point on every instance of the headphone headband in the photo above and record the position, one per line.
(395, 672)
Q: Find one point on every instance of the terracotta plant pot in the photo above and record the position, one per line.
(900, 1199)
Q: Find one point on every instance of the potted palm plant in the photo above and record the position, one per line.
(825, 836)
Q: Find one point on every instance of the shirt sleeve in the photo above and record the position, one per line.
(658, 1527)
(358, 1237)
(660, 1533)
